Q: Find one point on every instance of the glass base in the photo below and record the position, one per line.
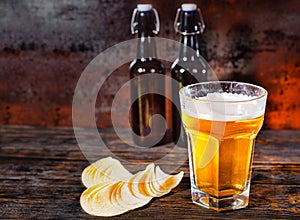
(205, 200)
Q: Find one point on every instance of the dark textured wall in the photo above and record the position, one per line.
(46, 44)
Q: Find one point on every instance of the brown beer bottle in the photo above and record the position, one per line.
(147, 91)
(189, 68)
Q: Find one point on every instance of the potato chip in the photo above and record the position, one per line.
(104, 170)
(132, 194)
(162, 183)
(118, 196)
(137, 186)
(142, 181)
(112, 190)
(150, 178)
(87, 196)
(128, 199)
(101, 203)
(114, 193)
(104, 204)
(167, 182)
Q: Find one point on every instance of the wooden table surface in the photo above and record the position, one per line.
(40, 171)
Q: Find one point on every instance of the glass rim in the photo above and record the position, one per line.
(264, 94)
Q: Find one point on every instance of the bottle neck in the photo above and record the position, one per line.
(146, 47)
(190, 40)
(146, 44)
(190, 47)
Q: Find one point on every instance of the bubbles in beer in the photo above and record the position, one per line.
(216, 96)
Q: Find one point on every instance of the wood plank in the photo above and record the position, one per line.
(277, 147)
(57, 200)
(270, 145)
(40, 171)
(35, 170)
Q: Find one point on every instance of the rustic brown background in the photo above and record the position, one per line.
(46, 44)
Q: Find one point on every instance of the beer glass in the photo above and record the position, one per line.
(221, 120)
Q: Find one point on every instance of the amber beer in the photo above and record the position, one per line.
(221, 123)
(228, 151)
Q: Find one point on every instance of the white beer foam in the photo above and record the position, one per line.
(216, 96)
(224, 106)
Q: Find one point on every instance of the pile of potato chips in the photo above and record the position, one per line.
(113, 190)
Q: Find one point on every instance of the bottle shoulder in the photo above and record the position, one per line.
(188, 72)
(188, 64)
(147, 65)
(146, 60)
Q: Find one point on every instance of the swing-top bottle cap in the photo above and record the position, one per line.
(197, 26)
(135, 17)
(144, 7)
(188, 7)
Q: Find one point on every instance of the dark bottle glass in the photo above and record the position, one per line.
(189, 68)
(150, 131)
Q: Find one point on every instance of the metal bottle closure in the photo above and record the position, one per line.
(144, 8)
(198, 29)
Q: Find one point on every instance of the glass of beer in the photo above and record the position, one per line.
(221, 120)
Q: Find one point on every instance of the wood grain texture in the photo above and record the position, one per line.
(40, 171)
